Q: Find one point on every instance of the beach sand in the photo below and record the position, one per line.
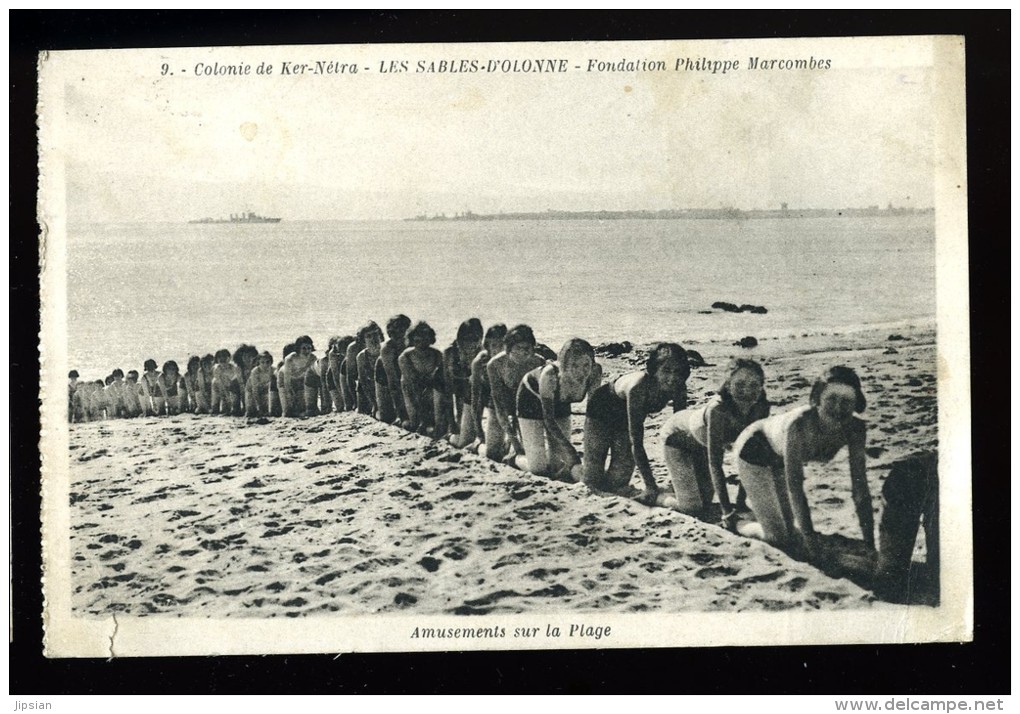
(219, 516)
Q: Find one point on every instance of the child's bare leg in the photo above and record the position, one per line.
(764, 501)
(536, 455)
(495, 437)
(682, 472)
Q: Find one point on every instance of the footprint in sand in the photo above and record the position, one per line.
(717, 571)
(456, 552)
(794, 585)
(512, 559)
(429, 563)
(542, 573)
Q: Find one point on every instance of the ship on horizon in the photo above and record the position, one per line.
(246, 217)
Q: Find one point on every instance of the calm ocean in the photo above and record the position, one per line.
(167, 290)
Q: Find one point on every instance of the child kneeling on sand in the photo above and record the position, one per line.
(505, 372)
(771, 457)
(695, 440)
(421, 381)
(544, 399)
(615, 421)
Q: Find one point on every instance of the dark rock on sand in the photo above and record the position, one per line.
(613, 349)
(746, 342)
(746, 307)
(896, 338)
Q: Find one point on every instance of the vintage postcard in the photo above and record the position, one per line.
(504, 346)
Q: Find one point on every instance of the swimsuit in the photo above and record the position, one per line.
(461, 377)
(688, 429)
(763, 443)
(529, 403)
(608, 408)
(312, 379)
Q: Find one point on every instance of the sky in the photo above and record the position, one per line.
(138, 144)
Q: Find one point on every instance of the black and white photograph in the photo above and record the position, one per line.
(490, 346)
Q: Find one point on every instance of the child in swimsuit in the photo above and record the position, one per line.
(207, 365)
(695, 439)
(543, 410)
(97, 401)
(168, 386)
(370, 335)
(257, 402)
(132, 404)
(194, 387)
(481, 395)
(72, 384)
(152, 403)
(910, 496)
(118, 391)
(387, 371)
(772, 453)
(349, 368)
(421, 380)
(108, 399)
(334, 378)
(457, 360)
(225, 376)
(244, 359)
(322, 369)
(505, 372)
(615, 421)
(291, 377)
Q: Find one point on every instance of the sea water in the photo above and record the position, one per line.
(168, 291)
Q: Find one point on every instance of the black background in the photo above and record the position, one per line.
(981, 667)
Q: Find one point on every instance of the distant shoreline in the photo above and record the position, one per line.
(681, 214)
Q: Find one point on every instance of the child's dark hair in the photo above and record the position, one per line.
(423, 330)
(266, 355)
(367, 329)
(839, 375)
(240, 352)
(574, 348)
(342, 343)
(170, 365)
(735, 365)
(519, 334)
(303, 340)
(397, 326)
(223, 355)
(117, 373)
(470, 329)
(132, 374)
(495, 332)
(150, 364)
(73, 374)
(289, 348)
(194, 363)
(664, 351)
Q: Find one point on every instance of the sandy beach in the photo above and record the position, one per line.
(227, 517)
